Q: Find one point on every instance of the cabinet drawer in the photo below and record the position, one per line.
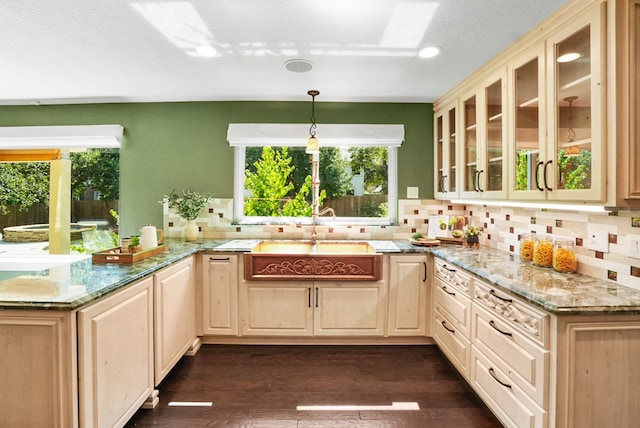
(507, 401)
(454, 305)
(529, 321)
(526, 363)
(453, 344)
(453, 276)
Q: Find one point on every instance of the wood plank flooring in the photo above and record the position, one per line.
(260, 387)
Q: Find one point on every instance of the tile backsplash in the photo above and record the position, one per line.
(502, 227)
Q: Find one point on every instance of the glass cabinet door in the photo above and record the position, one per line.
(469, 143)
(450, 183)
(439, 155)
(491, 171)
(575, 168)
(528, 142)
(446, 153)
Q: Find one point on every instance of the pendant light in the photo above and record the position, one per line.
(312, 143)
(571, 150)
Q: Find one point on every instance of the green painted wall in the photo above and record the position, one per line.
(183, 145)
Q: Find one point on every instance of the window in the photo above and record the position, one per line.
(357, 171)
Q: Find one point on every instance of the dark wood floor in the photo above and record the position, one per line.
(260, 386)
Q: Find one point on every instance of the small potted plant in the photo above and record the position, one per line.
(134, 245)
(471, 234)
(188, 206)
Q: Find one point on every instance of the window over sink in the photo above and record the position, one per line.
(358, 172)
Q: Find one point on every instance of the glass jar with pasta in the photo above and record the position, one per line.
(564, 257)
(526, 247)
(543, 251)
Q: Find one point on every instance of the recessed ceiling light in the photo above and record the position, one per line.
(568, 57)
(429, 52)
(298, 65)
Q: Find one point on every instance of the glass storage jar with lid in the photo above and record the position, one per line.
(564, 257)
(543, 251)
(526, 246)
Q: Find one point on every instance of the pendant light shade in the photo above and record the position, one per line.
(312, 143)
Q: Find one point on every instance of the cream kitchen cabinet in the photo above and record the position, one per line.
(510, 357)
(408, 295)
(484, 139)
(558, 132)
(533, 123)
(446, 152)
(39, 371)
(451, 323)
(575, 166)
(308, 308)
(174, 315)
(276, 308)
(220, 294)
(627, 104)
(349, 308)
(115, 356)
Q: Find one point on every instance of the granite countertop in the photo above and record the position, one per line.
(555, 292)
(82, 282)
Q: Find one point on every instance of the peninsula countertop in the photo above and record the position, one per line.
(558, 293)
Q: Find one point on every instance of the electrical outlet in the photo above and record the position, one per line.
(634, 246)
(413, 192)
(598, 240)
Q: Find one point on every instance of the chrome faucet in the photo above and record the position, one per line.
(315, 185)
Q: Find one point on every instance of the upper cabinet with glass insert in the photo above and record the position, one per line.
(484, 140)
(446, 152)
(558, 148)
(527, 135)
(576, 168)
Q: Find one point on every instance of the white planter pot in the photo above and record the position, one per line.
(191, 231)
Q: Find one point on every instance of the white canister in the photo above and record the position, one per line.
(150, 237)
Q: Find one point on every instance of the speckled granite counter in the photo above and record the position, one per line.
(557, 293)
(83, 281)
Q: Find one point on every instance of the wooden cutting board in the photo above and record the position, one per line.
(425, 242)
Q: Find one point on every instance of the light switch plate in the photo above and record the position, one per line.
(634, 246)
(598, 240)
(413, 192)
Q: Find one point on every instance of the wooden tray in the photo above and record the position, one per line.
(450, 240)
(116, 255)
(425, 242)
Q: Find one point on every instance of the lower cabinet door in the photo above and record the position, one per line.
(271, 308)
(349, 308)
(175, 315)
(452, 342)
(507, 401)
(115, 356)
(526, 362)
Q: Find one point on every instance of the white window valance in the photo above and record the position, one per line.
(60, 137)
(328, 135)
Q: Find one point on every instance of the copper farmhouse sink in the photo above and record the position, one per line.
(319, 261)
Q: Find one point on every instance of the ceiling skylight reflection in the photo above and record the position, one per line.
(181, 24)
(408, 24)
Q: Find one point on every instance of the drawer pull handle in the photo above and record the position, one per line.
(504, 299)
(222, 259)
(506, 333)
(493, 375)
(446, 268)
(424, 279)
(447, 291)
(450, 330)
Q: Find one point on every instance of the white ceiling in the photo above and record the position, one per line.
(86, 51)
